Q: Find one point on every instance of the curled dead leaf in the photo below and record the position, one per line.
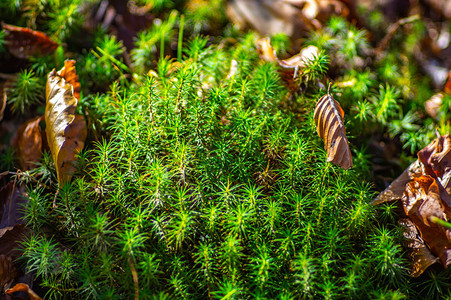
(66, 132)
(422, 202)
(22, 287)
(396, 189)
(420, 254)
(328, 118)
(299, 60)
(28, 143)
(24, 42)
(424, 189)
(436, 159)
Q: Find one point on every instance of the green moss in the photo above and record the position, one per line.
(202, 180)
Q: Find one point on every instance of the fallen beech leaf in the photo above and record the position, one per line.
(22, 287)
(420, 254)
(24, 42)
(396, 189)
(299, 60)
(436, 158)
(66, 132)
(71, 77)
(268, 53)
(328, 118)
(28, 143)
(421, 202)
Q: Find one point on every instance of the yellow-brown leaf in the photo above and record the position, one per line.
(66, 133)
(328, 118)
(71, 77)
(22, 287)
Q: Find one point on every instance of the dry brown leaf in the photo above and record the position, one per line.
(22, 287)
(71, 77)
(420, 254)
(436, 158)
(328, 118)
(28, 143)
(268, 53)
(66, 132)
(299, 60)
(396, 189)
(422, 202)
(425, 198)
(24, 42)
(7, 271)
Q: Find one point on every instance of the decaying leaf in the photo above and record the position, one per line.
(7, 271)
(28, 143)
(420, 254)
(24, 42)
(328, 118)
(424, 189)
(421, 202)
(396, 189)
(22, 287)
(300, 60)
(268, 53)
(436, 159)
(66, 132)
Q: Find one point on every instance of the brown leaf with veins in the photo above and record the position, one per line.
(436, 158)
(421, 202)
(420, 254)
(22, 287)
(396, 189)
(66, 132)
(28, 143)
(24, 42)
(328, 118)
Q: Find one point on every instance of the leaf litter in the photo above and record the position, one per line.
(424, 190)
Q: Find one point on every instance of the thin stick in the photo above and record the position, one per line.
(391, 32)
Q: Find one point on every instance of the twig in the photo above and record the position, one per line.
(391, 32)
(135, 276)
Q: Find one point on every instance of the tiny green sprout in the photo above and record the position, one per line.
(26, 91)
